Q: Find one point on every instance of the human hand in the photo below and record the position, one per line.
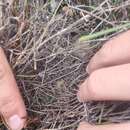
(12, 107)
(109, 78)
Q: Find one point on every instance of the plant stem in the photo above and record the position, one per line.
(103, 32)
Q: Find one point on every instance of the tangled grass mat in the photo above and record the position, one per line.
(48, 44)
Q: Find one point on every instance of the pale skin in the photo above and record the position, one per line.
(12, 107)
(109, 78)
(109, 72)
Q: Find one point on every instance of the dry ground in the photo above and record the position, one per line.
(41, 40)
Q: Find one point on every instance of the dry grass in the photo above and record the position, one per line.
(41, 42)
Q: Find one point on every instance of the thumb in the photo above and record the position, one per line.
(86, 126)
(12, 107)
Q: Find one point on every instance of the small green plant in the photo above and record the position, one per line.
(103, 32)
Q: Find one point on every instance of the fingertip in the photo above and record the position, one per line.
(93, 64)
(83, 94)
(88, 69)
(80, 94)
(15, 117)
(13, 110)
(15, 122)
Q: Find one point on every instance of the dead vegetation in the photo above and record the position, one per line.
(41, 39)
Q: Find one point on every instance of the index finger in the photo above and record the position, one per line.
(115, 52)
(112, 83)
(12, 106)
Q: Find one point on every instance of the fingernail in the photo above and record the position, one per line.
(15, 122)
(80, 94)
(83, 94)
(88, 69)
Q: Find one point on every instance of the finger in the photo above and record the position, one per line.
(11, 104)
(114, 52)
(112, 83)
(86, 126)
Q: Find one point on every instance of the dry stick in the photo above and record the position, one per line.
(63, 31)
(53, 17)
(68, 28)
(71, 26)
(101, 114)
(42, 36)
(103, 32)
(93, 15)
(64, 127)
(1, 13)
